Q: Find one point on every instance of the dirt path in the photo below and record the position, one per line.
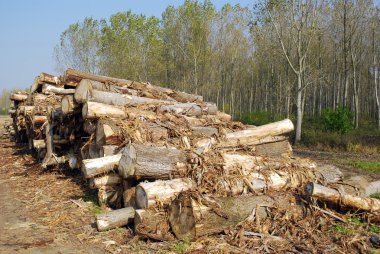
(342, 160)
(36, 213)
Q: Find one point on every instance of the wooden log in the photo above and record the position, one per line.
(49, 145)
(158, 92)
(54, 161)
(129, 193)
(89, 126)
(85, 93)
(39, 144)
(149, 194)
(150, 162)
(50, 89)
(332, 195)
(85, 87)
(39, 120)
(105, 135)
(274, 149)
(94, 110)
(108, 150)
(48, 78)
(110, 196)
(249, 136)
(11, 111)
(189, 109)
(114, 219)
(190, 219)
(204, 131)
(93, 151)
(110, 179)
(18, 97)
(153, 224)
(69, 105)
(98, 166)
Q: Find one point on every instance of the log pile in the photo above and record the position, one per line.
(164, 160)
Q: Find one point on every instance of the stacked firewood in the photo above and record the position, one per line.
(166, 160)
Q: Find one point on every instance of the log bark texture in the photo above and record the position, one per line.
(149, 194)
(114, 219)
(98, 166)
(332, 195)
(191, 220)
(151, 162)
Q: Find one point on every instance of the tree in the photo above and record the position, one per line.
(295, 21)
(78, 47)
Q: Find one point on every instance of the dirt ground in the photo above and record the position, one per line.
(53, 212)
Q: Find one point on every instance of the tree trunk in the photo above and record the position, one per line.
(332, 195)
(149, 162)
(191, 220)
(274, 149)
(114, 219)
(149, 194)
(94, 167)
(50, 89)
(18, 97)
(189, 109)
(82, 95)
(94, 110)
(69, 105)
(110, 179)
(299, 110)
(250, 136)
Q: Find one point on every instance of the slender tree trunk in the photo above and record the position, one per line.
(299, 109)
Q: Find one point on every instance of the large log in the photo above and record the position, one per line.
(274, 149)
(332, 195)
(115, 99)
(156, 91)
(110, 179)
(68, 104)
(94, 110)
(150, 162)
(98, 166)
(190, 219)
(18, 97)
(40, 143)
(115, 218)
(50, 89)
(249, 136)
(189, 109)
(149, 194)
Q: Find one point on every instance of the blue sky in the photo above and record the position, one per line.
(31, 29)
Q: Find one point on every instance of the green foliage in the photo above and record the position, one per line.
(374, 229)
(375, 195)
(182, 246)
(338, 120)
(370, 166)
(260, 118)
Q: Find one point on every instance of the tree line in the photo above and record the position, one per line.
(287, 57)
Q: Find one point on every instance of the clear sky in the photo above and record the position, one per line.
(30, 29)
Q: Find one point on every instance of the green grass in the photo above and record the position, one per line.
(376, 195)
(182, 246)
(369, 166)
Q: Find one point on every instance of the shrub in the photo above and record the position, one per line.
(340, 120)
